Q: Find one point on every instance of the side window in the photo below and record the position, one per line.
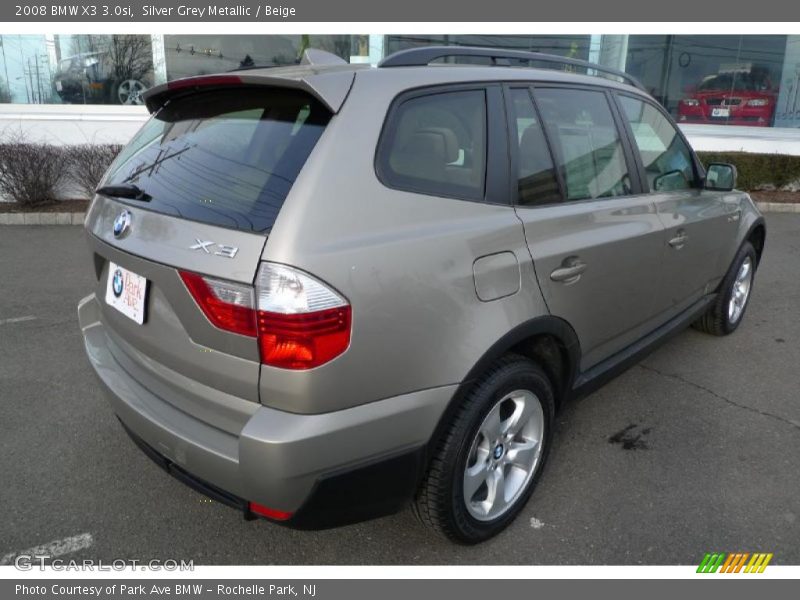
(536, 175)
(436, 144)
(666, 158)
(581, 127)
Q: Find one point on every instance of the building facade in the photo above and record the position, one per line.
(741, 80)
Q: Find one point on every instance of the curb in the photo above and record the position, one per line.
(65, 218)
(778, 207)
(52, 218)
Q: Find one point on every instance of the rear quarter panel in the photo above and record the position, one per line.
(403, 260)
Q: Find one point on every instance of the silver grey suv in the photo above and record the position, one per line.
(326, 291)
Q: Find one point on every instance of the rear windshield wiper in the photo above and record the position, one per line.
(126, 190)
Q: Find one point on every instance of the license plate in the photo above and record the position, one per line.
(126, 291)
(720, 112)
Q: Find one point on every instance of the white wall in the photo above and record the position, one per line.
(71, 124)
(80, 124)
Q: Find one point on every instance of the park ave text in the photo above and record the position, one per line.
(176, 589)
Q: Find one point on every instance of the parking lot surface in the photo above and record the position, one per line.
(696, 449)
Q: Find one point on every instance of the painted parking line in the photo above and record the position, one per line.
(52, 549)
(17, 320)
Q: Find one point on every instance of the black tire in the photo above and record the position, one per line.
(716, 320)
(440, 502)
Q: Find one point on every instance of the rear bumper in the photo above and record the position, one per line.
(326, 469)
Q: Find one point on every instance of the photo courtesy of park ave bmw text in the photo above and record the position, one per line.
(303, 299)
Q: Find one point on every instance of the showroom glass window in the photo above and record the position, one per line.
(667, 159)
(585, 138)
(436, 144)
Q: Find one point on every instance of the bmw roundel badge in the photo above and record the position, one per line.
(117, 283)
(122, 223)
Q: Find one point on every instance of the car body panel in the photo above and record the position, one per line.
(621, 242)
(270, 456)
(708, 221)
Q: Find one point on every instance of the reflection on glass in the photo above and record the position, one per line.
(580, 125)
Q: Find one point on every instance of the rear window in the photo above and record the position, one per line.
(226, 157)
(436, 144)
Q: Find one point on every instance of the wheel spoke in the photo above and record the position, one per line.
(744, 271)
(521, 416)
(491, 428)
(474, 478)
(522, 454)
(496, 499)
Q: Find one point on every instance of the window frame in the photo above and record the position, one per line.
(697, 166)
(496, 170)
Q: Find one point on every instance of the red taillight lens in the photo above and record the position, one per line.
(300, 322)
(303, 341)
(270, 513)
(227, 305)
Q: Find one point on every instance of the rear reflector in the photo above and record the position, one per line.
(300, 322)
(270, 513)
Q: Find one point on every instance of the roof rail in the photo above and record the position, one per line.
(418, 57)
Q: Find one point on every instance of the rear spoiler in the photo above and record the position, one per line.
(329, 85)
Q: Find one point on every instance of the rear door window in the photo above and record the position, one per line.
(581, 127)
(436, 144)
(537, 183)
(225, 157)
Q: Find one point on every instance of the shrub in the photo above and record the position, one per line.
(758, 171)
(88, 163)
(31, 172)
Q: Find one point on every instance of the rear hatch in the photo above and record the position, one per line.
(177, 234)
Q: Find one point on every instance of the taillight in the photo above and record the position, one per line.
(227, 305)
(300, 322)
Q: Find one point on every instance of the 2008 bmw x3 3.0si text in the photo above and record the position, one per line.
(326, 291)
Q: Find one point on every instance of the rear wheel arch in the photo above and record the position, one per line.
(549, 341)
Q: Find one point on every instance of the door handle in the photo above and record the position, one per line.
(569, 271)
(679, 240)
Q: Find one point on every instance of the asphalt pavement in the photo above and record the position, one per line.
(696, 449)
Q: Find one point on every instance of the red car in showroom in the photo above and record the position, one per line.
(730, 99)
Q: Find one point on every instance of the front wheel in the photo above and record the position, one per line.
(727, 311)
(487, 463)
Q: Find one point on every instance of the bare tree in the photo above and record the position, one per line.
(30, 172)
(130, 56)
(88, 164)
(5, 92)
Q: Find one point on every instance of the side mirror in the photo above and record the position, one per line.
(720, 177)
(670, 181)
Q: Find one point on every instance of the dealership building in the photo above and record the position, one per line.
(728, 92)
